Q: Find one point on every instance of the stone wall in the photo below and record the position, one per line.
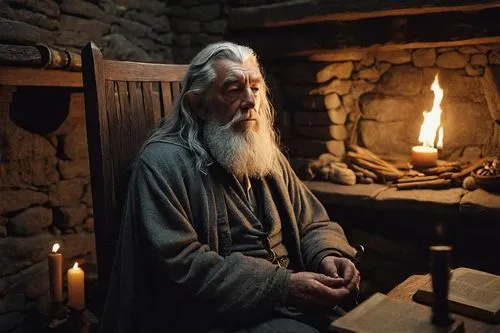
(376, 99)
(44, 198)
(151, 31)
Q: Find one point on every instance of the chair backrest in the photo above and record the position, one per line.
(124, 102)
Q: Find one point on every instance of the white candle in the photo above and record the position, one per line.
(76, 287)
(424, 157)
(55, 274)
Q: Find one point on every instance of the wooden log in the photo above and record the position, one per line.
(446, 175)
(428, 184)
(364, 172)
(382, 174)
(465, 172)
(439, 169)
(18, 55)
(373, 157)
(416, 179)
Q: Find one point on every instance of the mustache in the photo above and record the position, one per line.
(241, 116)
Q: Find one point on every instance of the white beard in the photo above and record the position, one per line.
(252, 154)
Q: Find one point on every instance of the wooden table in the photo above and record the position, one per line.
(406, 289)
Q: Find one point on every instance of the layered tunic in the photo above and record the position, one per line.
(177, 268)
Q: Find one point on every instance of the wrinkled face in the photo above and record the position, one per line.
(235, 95)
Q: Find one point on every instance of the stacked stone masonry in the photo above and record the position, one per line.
(149, 31)
(376, 99)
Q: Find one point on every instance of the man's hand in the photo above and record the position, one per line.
(309, 291)
(344, 268)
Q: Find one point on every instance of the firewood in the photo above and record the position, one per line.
(373, 163)
(439, 169)
(427, 184)
(448, 163)
(365, 172)
(416, 179)
(380, 171)
(414, 173)
(365, 154)
(446, 175)
(465, 172)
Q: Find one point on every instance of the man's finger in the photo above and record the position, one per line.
(329, 281)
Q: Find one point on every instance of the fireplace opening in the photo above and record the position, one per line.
(351, 83)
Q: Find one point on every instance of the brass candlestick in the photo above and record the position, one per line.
(440, 272)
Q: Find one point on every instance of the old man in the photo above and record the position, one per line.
(219, 234)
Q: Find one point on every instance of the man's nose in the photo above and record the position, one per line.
(248, 99)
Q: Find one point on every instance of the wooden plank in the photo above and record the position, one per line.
(153, 114)
(424, 30)
(314, 11)
(138, 114)
(176, 89)
(166, 98)
(100, 162)
(24, 76)
(138, 71)
(333, 55)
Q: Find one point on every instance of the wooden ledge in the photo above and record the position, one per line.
(478, 203)
(25, 76)
(314, 11)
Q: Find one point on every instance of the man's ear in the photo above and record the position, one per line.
(194, 101)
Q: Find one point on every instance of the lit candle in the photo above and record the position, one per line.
(55, 274)
(76, 287)
(424, 157)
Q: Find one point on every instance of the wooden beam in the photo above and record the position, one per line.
(138, 71)
(335, 55)
(443, 29)
(24, 76)
(313, 11)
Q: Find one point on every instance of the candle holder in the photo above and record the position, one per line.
(440, 272)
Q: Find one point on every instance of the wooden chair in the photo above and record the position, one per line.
(124, 102)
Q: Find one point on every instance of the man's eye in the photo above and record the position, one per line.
(255, 89)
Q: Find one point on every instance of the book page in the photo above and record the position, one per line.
(477, 288)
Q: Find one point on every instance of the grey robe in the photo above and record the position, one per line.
(173, 269)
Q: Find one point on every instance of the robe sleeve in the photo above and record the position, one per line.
(235, 286)
(319, 236)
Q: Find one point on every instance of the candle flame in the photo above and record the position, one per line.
(432, 119)
(55, 247)
(75, 266)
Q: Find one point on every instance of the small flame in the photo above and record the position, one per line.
(55, 247)
(440, 138)
(75, 266)
(432, 119)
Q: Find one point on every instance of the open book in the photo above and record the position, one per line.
(471, 293)
(379, 313)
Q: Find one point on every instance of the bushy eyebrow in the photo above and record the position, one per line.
(235, 78)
